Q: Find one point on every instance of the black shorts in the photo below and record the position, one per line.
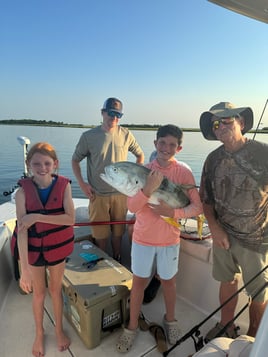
(41, 261)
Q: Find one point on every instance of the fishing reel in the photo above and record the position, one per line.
(7, 193)
(24, 141)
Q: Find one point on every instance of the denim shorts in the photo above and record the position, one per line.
(165, 259)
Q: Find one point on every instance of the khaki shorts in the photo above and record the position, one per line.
(108, 208)
(228, 263)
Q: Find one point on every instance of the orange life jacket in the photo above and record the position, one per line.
(54, 241)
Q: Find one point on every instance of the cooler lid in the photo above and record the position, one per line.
(95, 281)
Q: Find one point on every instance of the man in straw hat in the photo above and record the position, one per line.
(234, 193)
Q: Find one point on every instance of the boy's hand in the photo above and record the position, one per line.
(163, 209)
(153, 181)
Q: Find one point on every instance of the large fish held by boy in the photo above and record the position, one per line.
(128, 178)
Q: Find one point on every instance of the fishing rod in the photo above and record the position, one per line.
(259, 122)
(229, 324)
(98, 223)
(195, 330)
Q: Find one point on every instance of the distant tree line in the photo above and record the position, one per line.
(56, 123)
(37, 122)
(34, 122)
(30, 122)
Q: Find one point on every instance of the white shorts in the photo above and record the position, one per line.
(166, 260)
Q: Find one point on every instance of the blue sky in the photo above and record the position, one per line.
(167, 60)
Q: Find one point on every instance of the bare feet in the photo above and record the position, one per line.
(63, 341)
(38, 346)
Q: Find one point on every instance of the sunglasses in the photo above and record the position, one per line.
(113, 113)
(224, 121)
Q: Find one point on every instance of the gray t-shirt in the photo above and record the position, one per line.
(236, 184)
(101, 149)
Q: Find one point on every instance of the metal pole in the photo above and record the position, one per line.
(24, 142)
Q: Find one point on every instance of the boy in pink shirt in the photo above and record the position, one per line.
(156, 240)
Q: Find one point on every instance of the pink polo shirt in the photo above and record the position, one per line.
(150, 228)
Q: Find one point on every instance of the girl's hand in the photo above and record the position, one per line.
(27, 221)
(26, 281)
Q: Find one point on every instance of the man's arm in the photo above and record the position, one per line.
(219, 236)
(85, 187)
(140, 159)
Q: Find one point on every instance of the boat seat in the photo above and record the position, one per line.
(81, 214)
(190, 242)
(201, 250)
(223, 346)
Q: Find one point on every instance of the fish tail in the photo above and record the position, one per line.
(172, 221)
(200, 221)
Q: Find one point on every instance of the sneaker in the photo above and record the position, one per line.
(151, 290)
(231, 332)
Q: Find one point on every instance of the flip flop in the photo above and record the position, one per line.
(231, 332)
(143, 323)
(159, 334)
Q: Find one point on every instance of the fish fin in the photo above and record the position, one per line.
(187, 187)
(172, 221)
(200, 221)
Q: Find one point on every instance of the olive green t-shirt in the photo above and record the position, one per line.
(102, 148)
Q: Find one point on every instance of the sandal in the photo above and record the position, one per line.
(126, 340)
(143, 323)
(231, 332)
(173, 331)
(159, 334)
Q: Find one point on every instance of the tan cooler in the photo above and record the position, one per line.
(96, 297)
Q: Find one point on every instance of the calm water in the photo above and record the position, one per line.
(194, 152)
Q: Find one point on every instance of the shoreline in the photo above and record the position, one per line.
(129, 126)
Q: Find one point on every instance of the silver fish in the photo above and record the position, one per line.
(128, 178)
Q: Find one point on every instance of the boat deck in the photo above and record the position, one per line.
(17, 321)
(197, 297)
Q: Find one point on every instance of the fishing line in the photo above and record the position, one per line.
(260, 119)
(195, 330)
